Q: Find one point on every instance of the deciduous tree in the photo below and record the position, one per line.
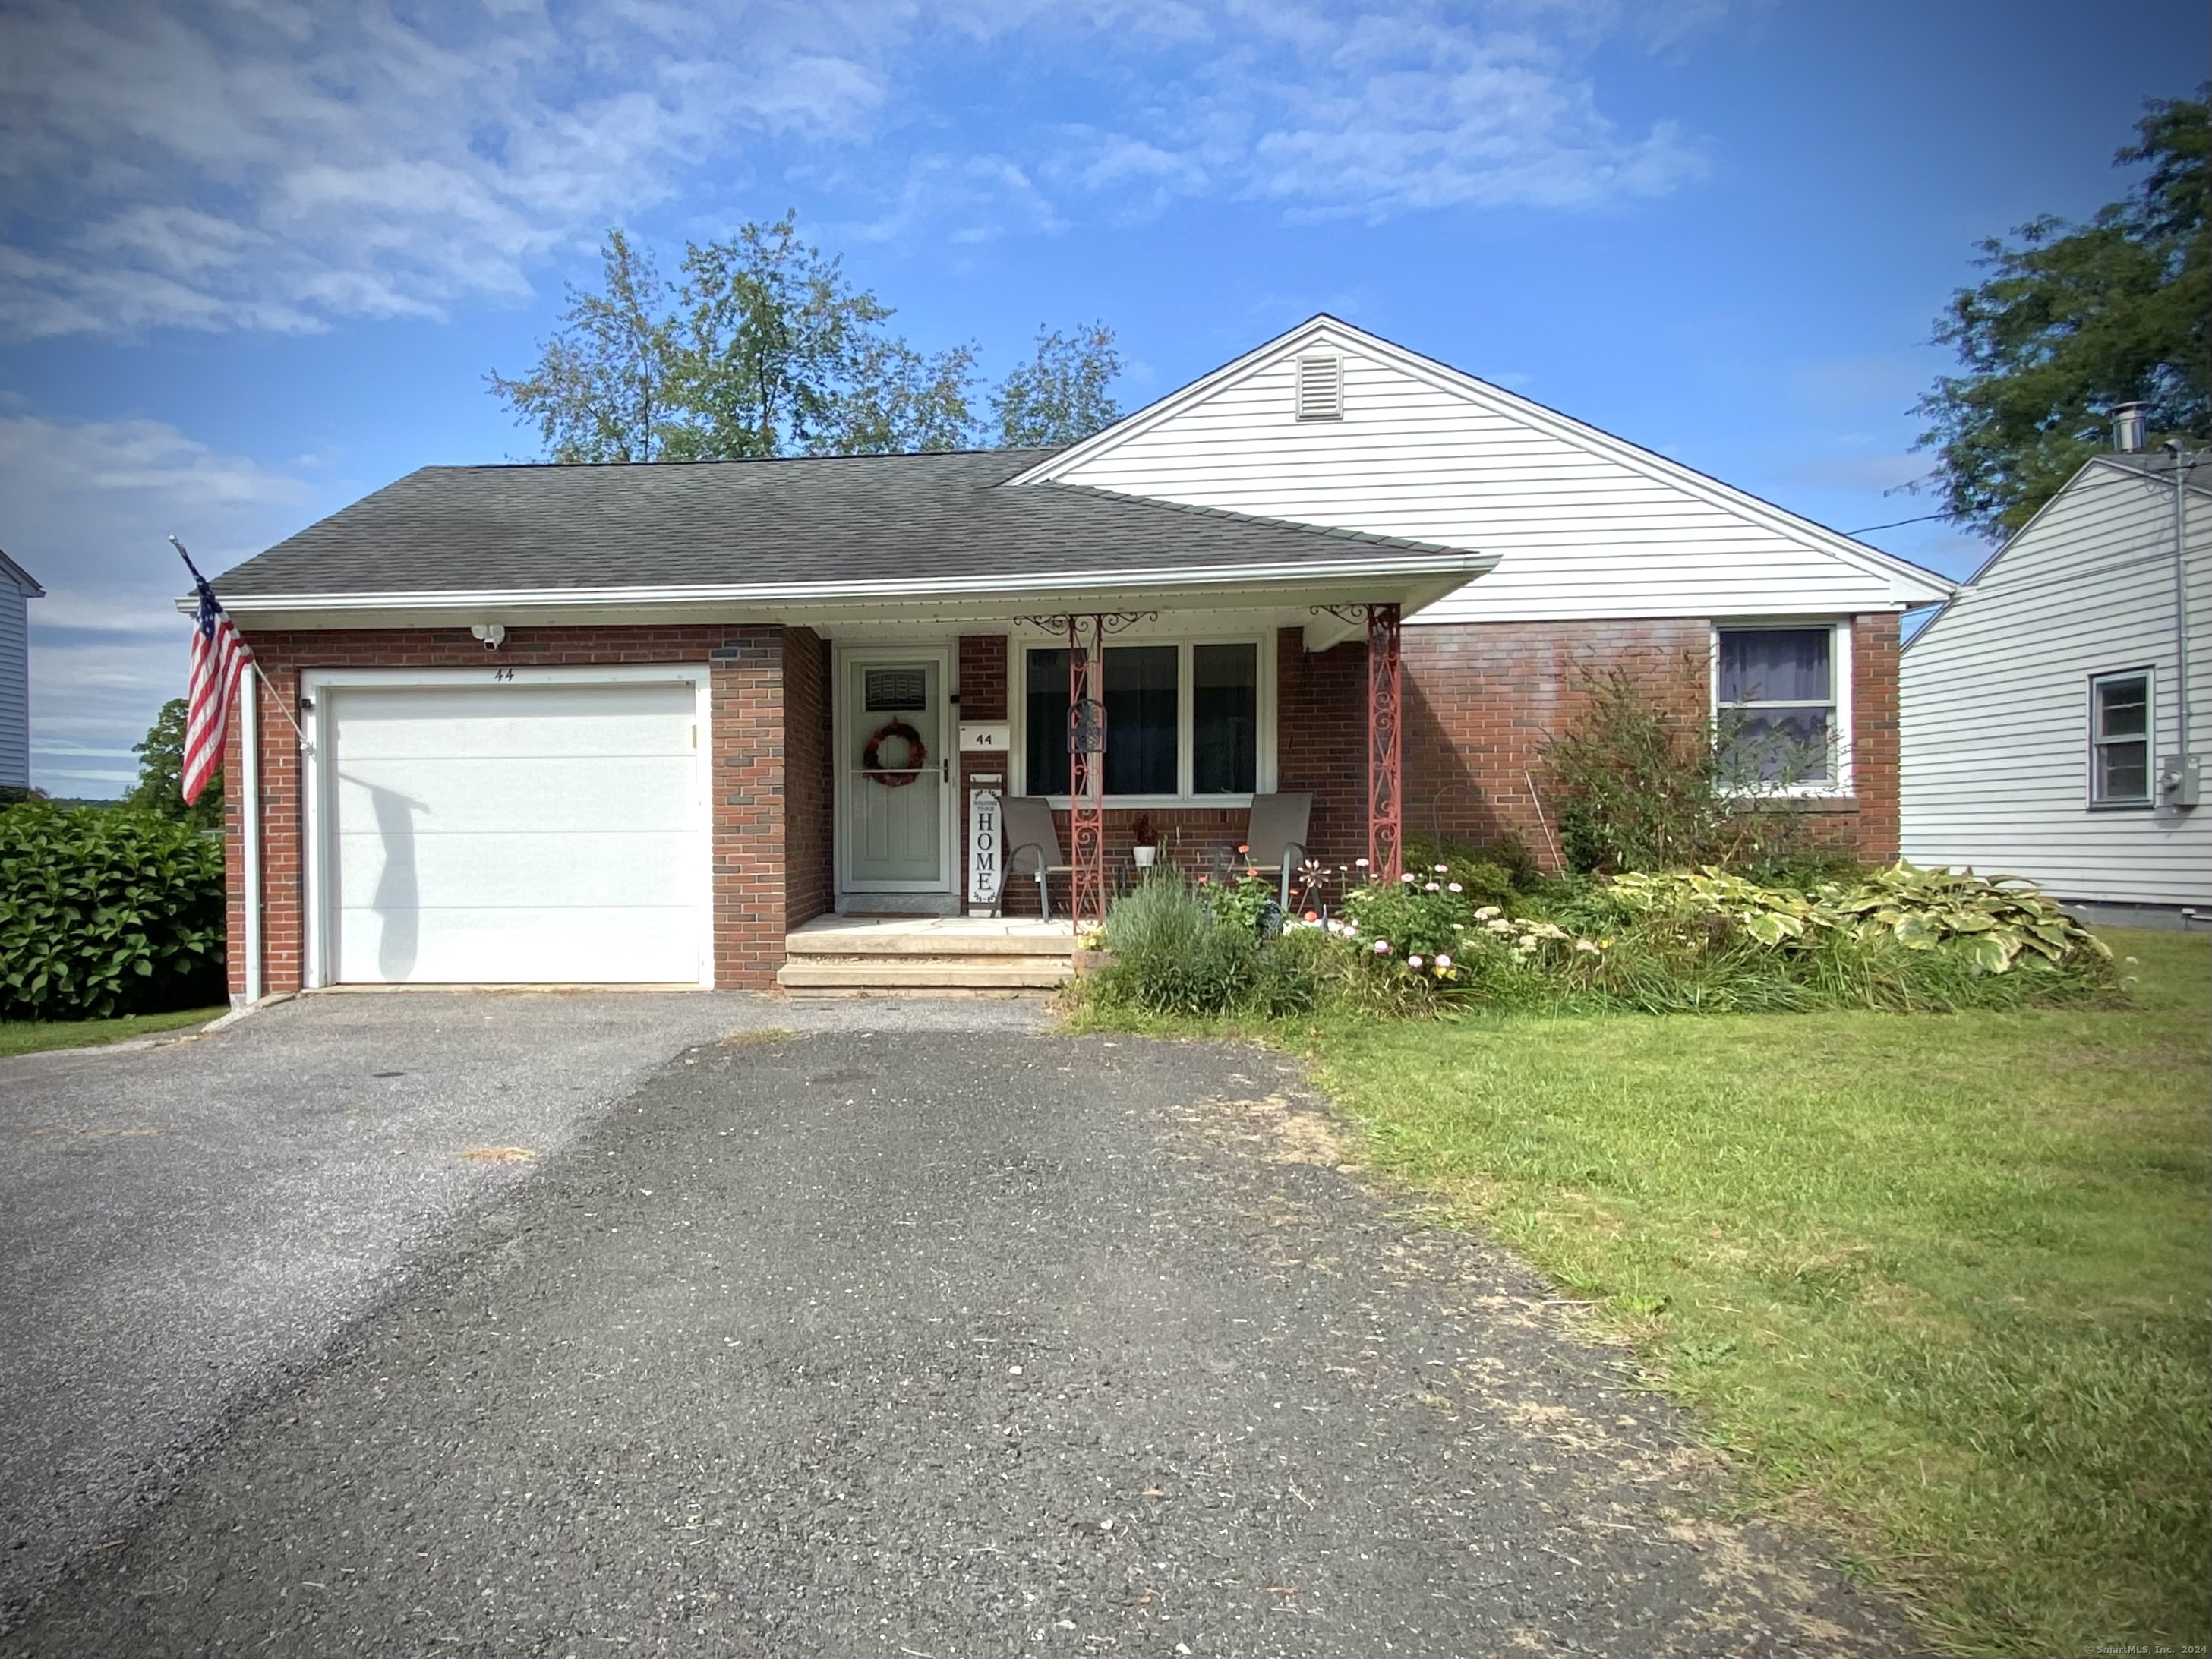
(1063, 394)
(2075, 320)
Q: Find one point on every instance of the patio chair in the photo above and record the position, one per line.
(1030, 835)
(1275, 839)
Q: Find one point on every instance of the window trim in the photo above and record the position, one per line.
(1263, 769)
(2148, 675)
(1842, 786)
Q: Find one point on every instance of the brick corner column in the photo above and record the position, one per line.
(1875, 756)
(746, 806)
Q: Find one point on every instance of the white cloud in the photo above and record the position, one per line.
(274, 166)
(259, 164)
(89, 505)
(1334, 113)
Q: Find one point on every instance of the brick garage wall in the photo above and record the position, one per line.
(1482, 697)
(809, 787)
(747, 695)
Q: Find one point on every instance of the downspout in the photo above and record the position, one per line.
(249, 825)
(2184, 463)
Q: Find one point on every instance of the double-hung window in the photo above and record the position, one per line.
(2119, 739)
(1183, 720)
(1778, 707)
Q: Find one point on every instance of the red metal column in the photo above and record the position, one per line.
(1385, 856)
(1086, 768)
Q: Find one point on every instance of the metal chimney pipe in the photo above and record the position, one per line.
(2128, 428)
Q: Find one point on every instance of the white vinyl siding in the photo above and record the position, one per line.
(1995, 700)
(1581, 531)
(504, 833)
(15, 686)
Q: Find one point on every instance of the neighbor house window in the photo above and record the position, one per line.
(1181, 719)
(1777, 706)
(2119, 739)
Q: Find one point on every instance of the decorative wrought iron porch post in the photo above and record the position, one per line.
(1086, 768)
(1385, 854)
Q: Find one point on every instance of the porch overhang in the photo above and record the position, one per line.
(1306, 595)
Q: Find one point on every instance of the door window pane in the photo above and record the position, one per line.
(1140, 720)
(1224, 713)
(1047, 713)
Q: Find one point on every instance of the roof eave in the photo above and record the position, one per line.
(1412, 580)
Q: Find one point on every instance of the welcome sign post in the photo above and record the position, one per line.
(986, 841)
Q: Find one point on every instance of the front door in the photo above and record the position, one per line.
(895, 762)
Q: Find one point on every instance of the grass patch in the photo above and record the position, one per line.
(1940, 1281)
(29, 1036)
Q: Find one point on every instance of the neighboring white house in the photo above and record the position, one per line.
(17, 590)
(2043, 706)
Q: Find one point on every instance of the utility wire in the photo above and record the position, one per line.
(1871, 528)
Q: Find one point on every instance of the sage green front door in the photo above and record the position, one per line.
(895, 755)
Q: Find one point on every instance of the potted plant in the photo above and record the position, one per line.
(1144, 842)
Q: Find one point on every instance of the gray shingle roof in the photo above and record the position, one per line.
(841, 518)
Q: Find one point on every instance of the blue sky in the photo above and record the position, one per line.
(256, 257)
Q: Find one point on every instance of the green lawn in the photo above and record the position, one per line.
(1940, 1281)
(25, 1037)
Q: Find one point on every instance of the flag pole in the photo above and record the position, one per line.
(253, 662)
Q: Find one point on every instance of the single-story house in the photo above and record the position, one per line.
(17, 590)
(647, 723)
(2048, 727)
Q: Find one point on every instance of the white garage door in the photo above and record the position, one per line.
(516, 835)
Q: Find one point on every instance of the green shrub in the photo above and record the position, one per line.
(106, 911)
(1245, 902)
(1173, 955)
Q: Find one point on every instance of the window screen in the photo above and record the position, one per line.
(1145, 689)
(1776, 719)
(1045, 711)
(1225, 718)
(1140, 720)
(2119, 739)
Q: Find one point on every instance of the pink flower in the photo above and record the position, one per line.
(1408, 876)
(1412, 962)
(1362, 862)
(1381, 947)
(1441, 868)
(1442, 961)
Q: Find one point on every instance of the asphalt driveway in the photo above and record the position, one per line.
(186, 1225)
(952, 1343)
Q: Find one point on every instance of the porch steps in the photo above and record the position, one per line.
(927, 956)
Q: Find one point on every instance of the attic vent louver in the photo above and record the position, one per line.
(1320, 387)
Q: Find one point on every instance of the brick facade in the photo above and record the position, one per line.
(1482, 698)
(1479, 700)
(810, 778)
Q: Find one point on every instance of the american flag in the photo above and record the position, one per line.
(220, 657)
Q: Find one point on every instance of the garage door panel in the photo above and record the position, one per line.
(530, 721)
(449, 796)
(496, 833)
(495, 870)
(459, 945)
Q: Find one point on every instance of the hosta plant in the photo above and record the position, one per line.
(2000, 921)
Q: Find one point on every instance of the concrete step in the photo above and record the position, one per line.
(902, 942)
(896, 973)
